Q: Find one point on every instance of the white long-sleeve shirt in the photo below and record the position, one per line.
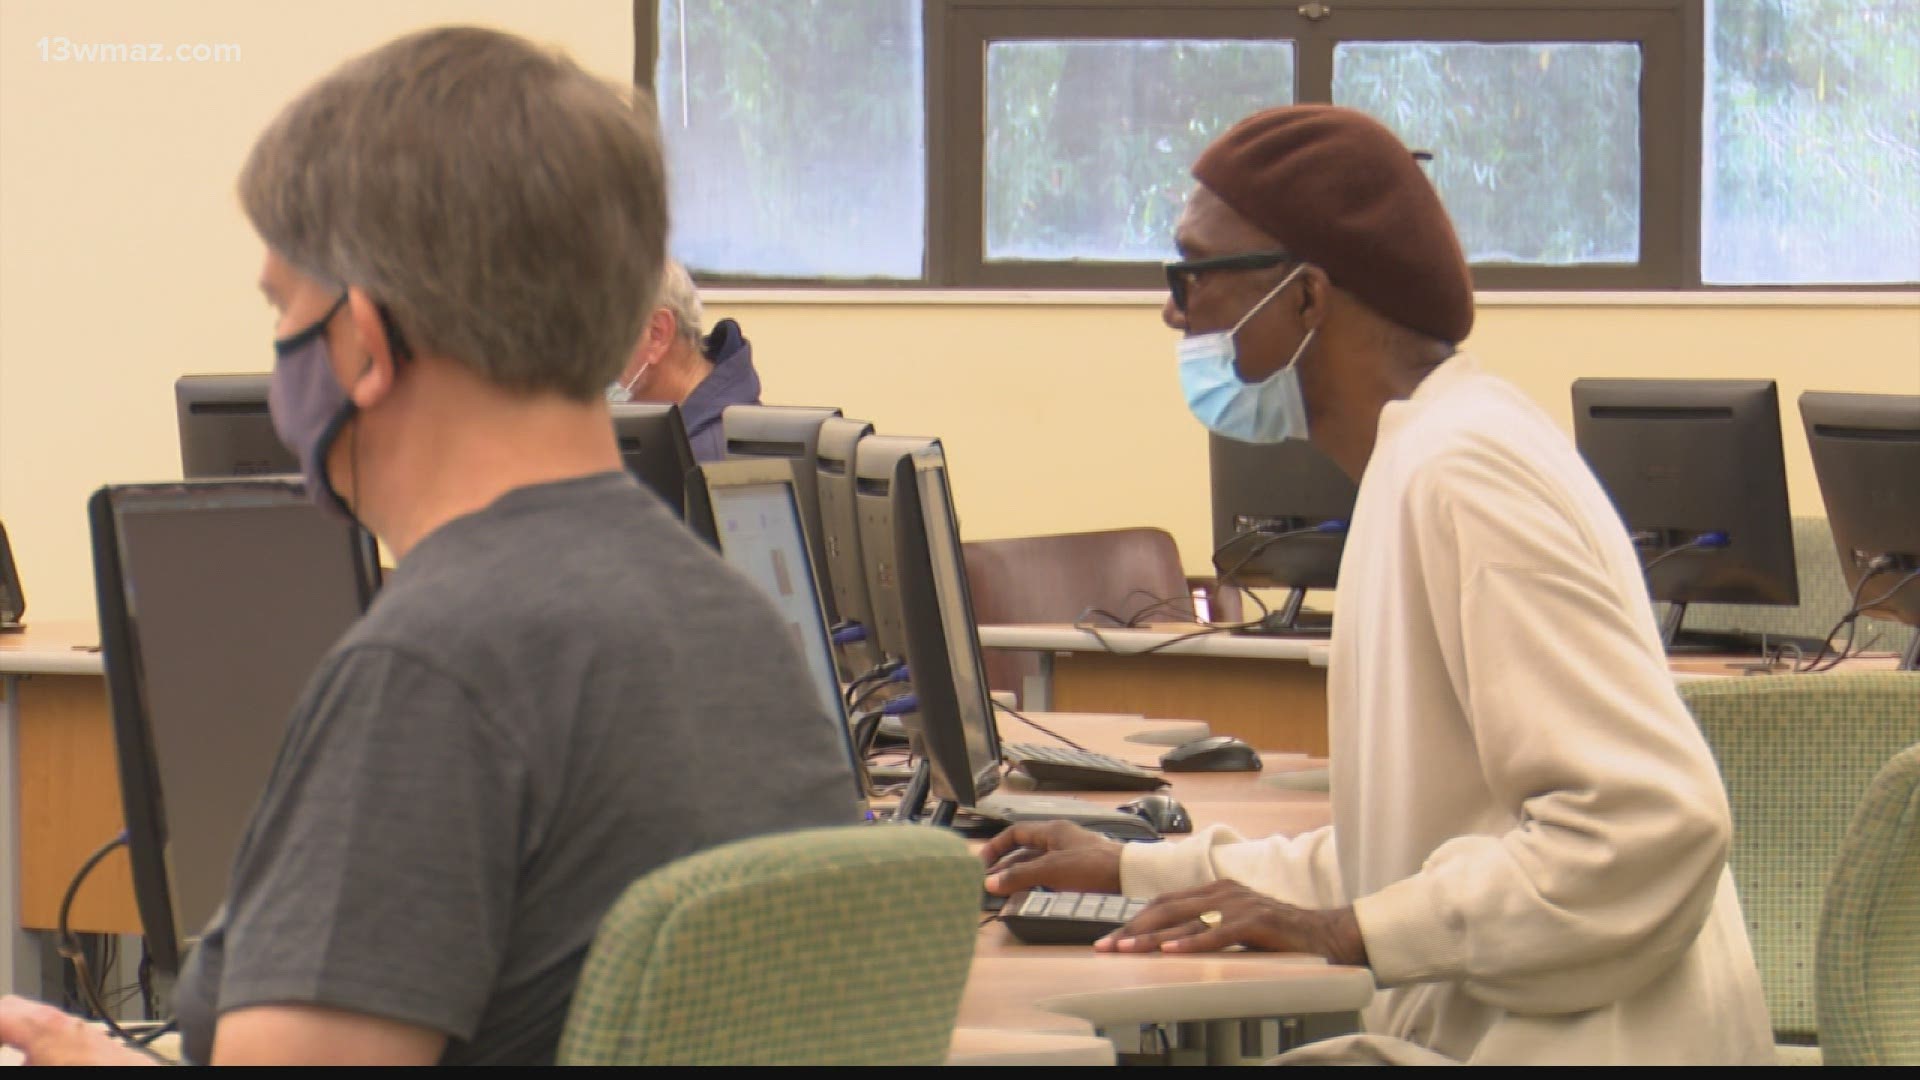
(1530, 827)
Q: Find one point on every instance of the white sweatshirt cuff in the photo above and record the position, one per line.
(1407, 934)
(1147, 870)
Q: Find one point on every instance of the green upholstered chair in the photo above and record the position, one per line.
(1796, 752)
(1868, 962)
(834, 946)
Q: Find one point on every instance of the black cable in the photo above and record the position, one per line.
(70, 946)
(1851, 621)
(879, 671)
(1712, 541)
(1108, 645)
(149, 1038)
(1037, 726)
(859, 704)
(1267, 540)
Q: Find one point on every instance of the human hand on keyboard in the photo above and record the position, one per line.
(1056, 855)
(44, 1035)
(1224, 914)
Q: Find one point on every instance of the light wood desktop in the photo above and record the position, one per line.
(1072, 990)
(1270, 691)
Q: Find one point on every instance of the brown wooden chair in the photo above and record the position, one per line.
(1123, 574)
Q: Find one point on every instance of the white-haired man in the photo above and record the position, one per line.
(675, 362)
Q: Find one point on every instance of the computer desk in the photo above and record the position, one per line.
(62, 797)
(1269, 690)
(1072, 990)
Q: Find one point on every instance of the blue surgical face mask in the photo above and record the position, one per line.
(619, 393)
(309, 407)
(1269, 411)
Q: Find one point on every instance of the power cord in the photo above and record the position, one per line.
(70, 946)
(1043, 729)
(1706, 541)
(880, 671)
(1851, 620)
(1229, 578)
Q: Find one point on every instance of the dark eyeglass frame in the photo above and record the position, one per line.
(1181, 275)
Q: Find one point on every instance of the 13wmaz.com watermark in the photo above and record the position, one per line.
(63, 50)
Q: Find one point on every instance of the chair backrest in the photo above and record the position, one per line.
(845, 945)
(1868, 959)
(1795, 752)
(1824, 597)
(1058, 578)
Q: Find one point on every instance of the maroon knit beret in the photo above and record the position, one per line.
(1340, 191)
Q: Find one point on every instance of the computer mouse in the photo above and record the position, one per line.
(1162, 812)
(1216, 753)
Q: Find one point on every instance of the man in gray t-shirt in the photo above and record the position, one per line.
(560, 689)
(534, 713)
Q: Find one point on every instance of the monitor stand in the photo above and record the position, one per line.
(1292, 620)
(913, 797)
(1680, 642)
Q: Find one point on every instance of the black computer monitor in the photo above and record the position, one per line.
(882, 463)
(756, 513)
(1866, 454)
(1695, 468)
(953, 720)
(217, 600)
(840, 517)
(225, 429)
(1280, 512)
(653, 443)
(789, 433)
(13, 601)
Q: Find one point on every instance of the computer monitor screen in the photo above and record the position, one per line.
(1866, 454)
(955, 710)
(1279, 520)
(217, 600)
(840, 517)
(1695, 468)
(225, 429)
(881, 464)
(653, 443)
(756, 514)
(13, 601)
(789, 433)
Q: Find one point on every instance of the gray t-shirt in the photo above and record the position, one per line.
(553, 696)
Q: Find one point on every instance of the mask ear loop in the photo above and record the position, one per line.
(401, 352)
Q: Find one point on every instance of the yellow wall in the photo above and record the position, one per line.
(124, 262)
(1060, 418)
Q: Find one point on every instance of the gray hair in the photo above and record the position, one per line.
(678, 295)
(508, 208)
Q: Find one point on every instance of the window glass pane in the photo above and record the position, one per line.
(1812, 142)
(1089, 142)
(795, 136)
(1536, 145)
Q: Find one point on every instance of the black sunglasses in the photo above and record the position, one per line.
(1181, 275)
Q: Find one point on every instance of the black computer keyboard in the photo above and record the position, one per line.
(1067, 918)
(1078, 770)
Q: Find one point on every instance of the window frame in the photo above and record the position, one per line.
(1670, 33)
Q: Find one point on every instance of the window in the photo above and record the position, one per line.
(795, 136)
(1088, 142)
(1650, 144)
(1812, 148)
(1536, 144)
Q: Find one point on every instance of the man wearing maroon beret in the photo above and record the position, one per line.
(1529, 834)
